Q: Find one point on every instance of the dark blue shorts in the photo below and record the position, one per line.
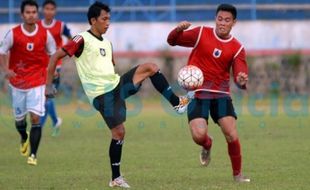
(217, 108)
(111, 105)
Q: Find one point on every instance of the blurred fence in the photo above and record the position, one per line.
(279, 73)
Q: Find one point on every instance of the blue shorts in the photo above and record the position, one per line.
(111, 105)
(217, 108)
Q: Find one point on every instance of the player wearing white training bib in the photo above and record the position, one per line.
(98, 75)
(106, 90)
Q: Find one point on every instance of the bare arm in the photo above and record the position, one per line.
(240, 70)
(5, 47)
(60, 53)
(4, 67)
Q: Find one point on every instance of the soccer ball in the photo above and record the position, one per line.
(190, 77)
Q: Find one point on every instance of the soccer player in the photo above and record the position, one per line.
(58, 29)
(105, 89)
(29, 46)
(215, 51)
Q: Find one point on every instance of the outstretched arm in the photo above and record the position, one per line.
(73, 47)
(179, 36)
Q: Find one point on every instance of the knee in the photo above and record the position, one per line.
(151, 68)
(231, 137)
(198, 137)
(20, 124)
(35, 119)
(118, 133)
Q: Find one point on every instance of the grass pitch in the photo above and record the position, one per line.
(158, 152)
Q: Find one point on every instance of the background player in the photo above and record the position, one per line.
(58, 29)
(105, 89)
(26, 72)
(215, 52)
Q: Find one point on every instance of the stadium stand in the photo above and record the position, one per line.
(170, 10)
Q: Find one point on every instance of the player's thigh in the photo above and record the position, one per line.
(127, 85)
(144, 71)
(35, 102)
(18, 98)
(229, 128)
(198, 127)
(222, 107)
(198, 113)
(111, 107)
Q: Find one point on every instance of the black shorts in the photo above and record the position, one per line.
(218, 108)
(111, 105)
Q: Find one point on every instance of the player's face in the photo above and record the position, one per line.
(102, 23)
(49, 11)
(30, 14)
(224, 22)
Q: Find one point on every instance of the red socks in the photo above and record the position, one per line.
(234, 151)
(205, 143)
(208, 143)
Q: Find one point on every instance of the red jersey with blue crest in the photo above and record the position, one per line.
(213, 55)
(28, 55)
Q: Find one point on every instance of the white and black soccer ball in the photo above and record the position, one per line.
(190, 77)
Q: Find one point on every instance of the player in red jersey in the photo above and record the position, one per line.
(58, 29)
(215, 51)
(29, 46)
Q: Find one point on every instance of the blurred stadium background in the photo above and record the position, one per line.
(275, 33)
(159, 154)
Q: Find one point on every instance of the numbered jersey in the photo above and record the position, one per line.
(28, 55)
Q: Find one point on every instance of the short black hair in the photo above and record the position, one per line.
(229, 8)
(46, 2)
(95, 9)
(28, 2)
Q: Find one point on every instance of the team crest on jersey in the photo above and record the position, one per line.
(102, 51)
(217, 53)
(30, 46)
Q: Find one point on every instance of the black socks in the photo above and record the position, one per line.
(21, 127)
(35, 137)
(162, 86)
(115, 153)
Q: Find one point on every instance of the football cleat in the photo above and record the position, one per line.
(24, 146)
(205, 155)
(56, 128)
(182, 107)
(241, 178)
(59, 122)
(32, 160)
(119, 182)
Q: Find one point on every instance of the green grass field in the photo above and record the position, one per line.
(158, 153)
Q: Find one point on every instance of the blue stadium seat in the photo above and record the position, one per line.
(168, 10)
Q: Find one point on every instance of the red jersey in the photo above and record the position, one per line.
(28, 55)
(214, 56)
(56, 29)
